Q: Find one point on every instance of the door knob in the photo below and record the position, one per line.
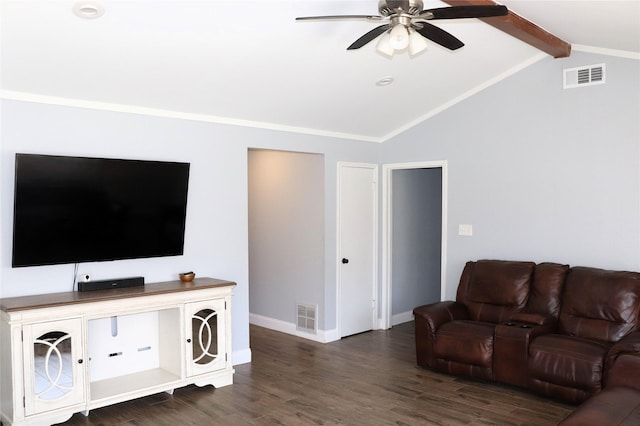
(345, 260)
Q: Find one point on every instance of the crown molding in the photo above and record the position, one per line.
(155, 112)
(608, 52)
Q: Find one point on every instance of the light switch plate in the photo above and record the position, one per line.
(465, 230)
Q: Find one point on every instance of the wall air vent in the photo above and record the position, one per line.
(584, 76)
(306, 318)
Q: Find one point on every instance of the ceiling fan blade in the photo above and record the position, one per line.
(374, 18)
(439, 36)
(455, 12)
(368, 37)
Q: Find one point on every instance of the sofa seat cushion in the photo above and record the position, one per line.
(466, 342)
(567, 361)
(617, 406)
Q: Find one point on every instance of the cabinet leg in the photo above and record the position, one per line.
(85, 413)
(170, 391)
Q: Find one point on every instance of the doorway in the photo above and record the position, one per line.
(414, 238)
(286, 240)
(357, 248)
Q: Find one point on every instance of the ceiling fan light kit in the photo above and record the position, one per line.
(406, 25)
(399, 37)
(384, 45)
(415, 42)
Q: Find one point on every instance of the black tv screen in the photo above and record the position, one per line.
(78, 209)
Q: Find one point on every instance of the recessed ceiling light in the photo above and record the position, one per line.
(88, 9)
(384, 81)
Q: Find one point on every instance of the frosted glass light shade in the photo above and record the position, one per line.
(384, 45)
(399, 37)
(417, 43)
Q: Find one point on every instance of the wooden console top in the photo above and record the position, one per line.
(40, 301)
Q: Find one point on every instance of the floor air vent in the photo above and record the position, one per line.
(584, 76)
(306, 315)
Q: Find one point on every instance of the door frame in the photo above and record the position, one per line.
(375, 289)
(387, 221)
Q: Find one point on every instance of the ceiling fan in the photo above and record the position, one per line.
(406, 24)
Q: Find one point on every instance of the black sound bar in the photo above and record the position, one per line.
(109, 284)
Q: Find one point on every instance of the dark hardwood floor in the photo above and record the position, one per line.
(367, 379)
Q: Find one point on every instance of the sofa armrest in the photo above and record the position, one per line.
(428, 318)
(624, 372)
(629, 345)
(439, 313)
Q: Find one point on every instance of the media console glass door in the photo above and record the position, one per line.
(206, 349)
(53, 362)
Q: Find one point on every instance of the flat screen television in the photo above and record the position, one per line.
(79, 209)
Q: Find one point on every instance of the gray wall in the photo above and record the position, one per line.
(286, 233)
(541, 173)
(416, 238)
(217, 217)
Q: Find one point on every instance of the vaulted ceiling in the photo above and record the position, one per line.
(250, 63)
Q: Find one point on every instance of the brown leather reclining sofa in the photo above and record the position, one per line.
(555, 330)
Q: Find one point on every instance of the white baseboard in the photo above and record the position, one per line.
(241, 357)
(290, 328)
(401, 318)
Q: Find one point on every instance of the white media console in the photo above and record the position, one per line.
(65, 353)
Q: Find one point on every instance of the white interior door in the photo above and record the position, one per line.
(357, 247)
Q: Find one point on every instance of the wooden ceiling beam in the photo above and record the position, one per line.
(522, 29)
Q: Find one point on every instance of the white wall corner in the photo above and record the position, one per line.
(242, 356)
(401, 318)
(382, 324)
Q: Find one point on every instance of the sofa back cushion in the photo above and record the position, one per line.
(599, 304)
(546, 291)
(492, 290)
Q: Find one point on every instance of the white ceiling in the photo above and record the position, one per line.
(251, 63)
